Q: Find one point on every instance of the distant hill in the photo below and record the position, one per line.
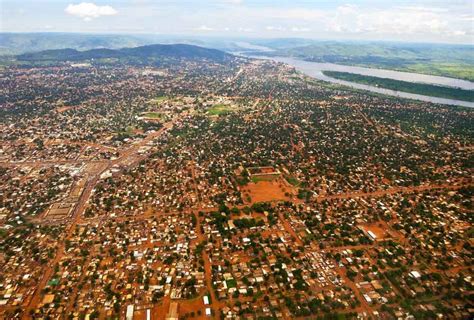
(455, 61)
(18, 43)
(356, 51)
(177, 51)
(284, 43)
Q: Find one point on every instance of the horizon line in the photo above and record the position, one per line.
(232, 37)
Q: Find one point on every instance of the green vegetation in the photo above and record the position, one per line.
(292, 180)
(159, 99)
(248, 223)
(304, 194)
(150, 54)
(257, 179)
(231, 283)
(53, 282)
(417, 88)
(152, 115)
(14, 43)
(454, 70)
(219, 109)
(455, 61)
(130, 130)
(261, 207)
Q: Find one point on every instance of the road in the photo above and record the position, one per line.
(130, 157)
(452, 185)
(127, 159)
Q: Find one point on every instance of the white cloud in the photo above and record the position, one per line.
(421, 8)
(399, 21)
(275, 28)
(233, 1)
(415, 20)
(241, 29)
(204, 28)
(466, 17)
(297, 29)
(295, 14)
(88, 11)
(459, 33)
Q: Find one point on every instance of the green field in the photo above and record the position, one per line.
(453, 70)
(129, 130)
(257, 179)
(158, 99)
(292, 180)
(219, 109)
(152, 115)
(404, 86)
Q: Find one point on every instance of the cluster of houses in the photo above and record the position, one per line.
(108, 265)
(379, 224)
(31, 191)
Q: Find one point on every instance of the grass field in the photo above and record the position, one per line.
(130, 130)
(257, 179)
(159, 99)
(404, 86)
(453, 70)
(292, 180)
(152, 115)
(219, 109)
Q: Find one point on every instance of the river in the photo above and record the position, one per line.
(315, 70)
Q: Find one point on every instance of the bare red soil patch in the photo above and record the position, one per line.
(379, 231)
(266, 191)
(64, 108)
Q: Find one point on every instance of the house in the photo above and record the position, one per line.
(129, 314)
(172, 311)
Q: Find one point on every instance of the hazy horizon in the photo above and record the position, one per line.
(416, 21)
(178, 37)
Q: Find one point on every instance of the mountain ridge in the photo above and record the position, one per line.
(179, 51)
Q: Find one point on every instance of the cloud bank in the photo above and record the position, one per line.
(88, 10)
(400, 20)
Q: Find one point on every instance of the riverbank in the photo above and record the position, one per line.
(315, 70)
(405, 86)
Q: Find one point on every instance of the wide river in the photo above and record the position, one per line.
(315, 70)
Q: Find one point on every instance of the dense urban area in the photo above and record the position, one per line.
(230, 188)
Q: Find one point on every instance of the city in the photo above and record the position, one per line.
(150, 177)
(214, 193)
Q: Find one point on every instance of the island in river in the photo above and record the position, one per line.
(315, 70)
(405, 86)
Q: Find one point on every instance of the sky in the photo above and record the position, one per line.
(445, 21)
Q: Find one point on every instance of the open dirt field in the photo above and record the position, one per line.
(379, 231)
(266, 191)
(64, 108)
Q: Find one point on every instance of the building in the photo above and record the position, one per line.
(173, 311)
(130, 309)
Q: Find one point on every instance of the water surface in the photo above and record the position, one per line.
(315, 70)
